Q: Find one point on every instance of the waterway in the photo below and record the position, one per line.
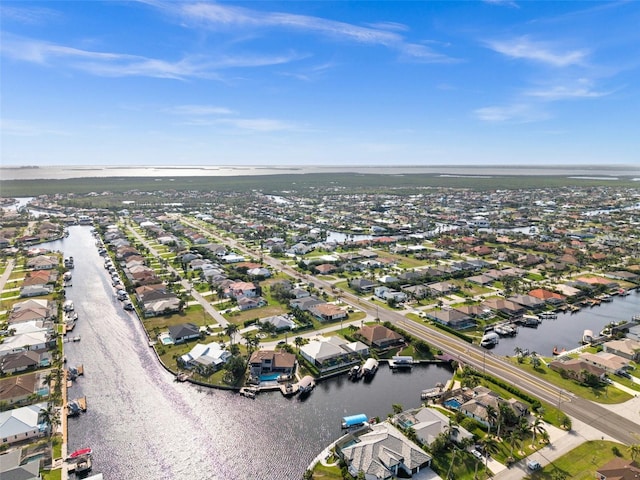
(141, 424)
(565, 332)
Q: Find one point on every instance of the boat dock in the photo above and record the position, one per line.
(401, 361)
(248, 392)
(289, 389)
(76, 407)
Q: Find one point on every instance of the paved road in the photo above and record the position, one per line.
(608, 422)
(213, 313)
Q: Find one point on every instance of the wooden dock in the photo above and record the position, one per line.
(289, 389)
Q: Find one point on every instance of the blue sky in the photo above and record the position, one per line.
(323, 83)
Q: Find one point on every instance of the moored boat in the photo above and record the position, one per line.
(370, 367)
(82, 451)
(489, 340)
(587, 336)
(354, 421)
(355, 372)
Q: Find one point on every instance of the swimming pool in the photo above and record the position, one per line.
(165, 339)
(271, 377)
(453, 403)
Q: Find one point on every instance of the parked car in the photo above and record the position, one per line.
(533, 465)
(623, 373)
(476, 454)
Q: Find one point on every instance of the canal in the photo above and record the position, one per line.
(141, 424)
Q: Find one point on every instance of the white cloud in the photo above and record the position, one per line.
(231, 17)
(28, 15)
(561, 92)
(502, 3)
(199, 110)
(524, 48)
(123, 65)
(515, 113)
(257, 124)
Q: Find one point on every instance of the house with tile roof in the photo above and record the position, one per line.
(383, 453)
(619, 469)
(379, 336)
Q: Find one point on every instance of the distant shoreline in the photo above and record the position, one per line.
(35, 172)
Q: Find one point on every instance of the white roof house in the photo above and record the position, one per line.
(321, 350)
(205, 357)
(26, 341)
(22, 423)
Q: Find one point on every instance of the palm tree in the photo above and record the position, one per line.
(514, 439)
(299, 341)
(50, 416)
(489, 446)
(537, 427)
(492, 415)
(230, 330)
(634, 450)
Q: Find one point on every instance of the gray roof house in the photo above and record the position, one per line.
(184, 332)
(383, 453)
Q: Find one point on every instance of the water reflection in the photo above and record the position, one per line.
(143, 425)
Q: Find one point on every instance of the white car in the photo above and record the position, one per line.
(533, 465)
(476, 454)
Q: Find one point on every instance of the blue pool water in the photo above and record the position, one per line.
(452, 403)
(272, 377)
(167, 341)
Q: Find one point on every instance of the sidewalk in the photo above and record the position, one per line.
(562, 442)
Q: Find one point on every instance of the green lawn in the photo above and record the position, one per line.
(603, 394)
(581, 463)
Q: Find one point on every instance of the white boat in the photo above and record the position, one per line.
(306, 384)
(587, 336)
(489, 340)
(401, 361)
(370, 367)
(68, 306)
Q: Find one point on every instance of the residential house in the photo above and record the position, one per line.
(19, 389)
(478, 401)
(34, 309)
(610, 362)
(383, 453)
(270, 361)
(362, 284)
(247, 303)
(619, 469)
(241, 289)
(506, 307)
(416, 291)
(305, 303)
(43, 262)
(38, 340)
(327, 312)
(575, 367)
(442, 288)
(19, 425)
(205, 359)
(40, 277)
(429, 423)
(159, 302)
(625, 348)
(379, 336)
(326, 353)
(548, 296)
(35, 291)
(452, 318)
(527, 301)
(386, 293)
(184, 332)
(23, 361)
(280, 322)
(11, 466)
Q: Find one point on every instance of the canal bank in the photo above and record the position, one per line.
(142, 424)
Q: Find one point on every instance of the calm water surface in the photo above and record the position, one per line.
(143, 425)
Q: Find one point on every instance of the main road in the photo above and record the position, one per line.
(610, 423)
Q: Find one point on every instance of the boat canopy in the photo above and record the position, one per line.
(351, 420)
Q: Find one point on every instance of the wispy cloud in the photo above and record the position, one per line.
(199, 110)
(384, 34)
(527, 49)
(515, 113)
(209, 116)
(563, 92)
(28, 15)
(502, 3)
(110, 64)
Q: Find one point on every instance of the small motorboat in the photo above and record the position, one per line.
(80, 453)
